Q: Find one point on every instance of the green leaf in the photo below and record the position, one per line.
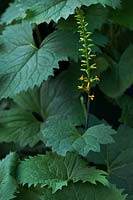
(126, 104)
(124, 16)
(93, 137)
(14, 12)
(27, 65)
(8, 185)
(99, 40)
(76, 191)
(57, 9)
(45, 11)
(85, 191)
(56, 171)
(59, 134)
(22, 124)
(64, 137)
(118, 158)
(56, 97)
(119, 76)
(102, 64)
(19, 126)
(95, 16)
(3, 6)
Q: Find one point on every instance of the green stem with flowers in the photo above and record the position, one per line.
(86, 56)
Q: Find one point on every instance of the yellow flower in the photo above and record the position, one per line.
(86, 80)
(97, 78)
(86, 55)
(80, 87)
(81, 78)
(91, 97)
(88, 87)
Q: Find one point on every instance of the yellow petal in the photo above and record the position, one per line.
(91, 97)
(81, 78)
(80, 87)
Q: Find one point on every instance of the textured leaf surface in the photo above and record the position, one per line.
(14, 12)
(27, 65)
(56, 171)
(19, 126)
(63, 137)
(119, 76)
(8, 185)
(92, 138)
(119, 159)
(57, 96)
(34, 107)
(45, 11)
(86, 191)
(59, 134)
(76, 191)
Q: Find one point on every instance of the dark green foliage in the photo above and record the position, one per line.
(118, 158)
(46, 150)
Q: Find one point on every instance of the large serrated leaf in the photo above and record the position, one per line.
(34, 107)
(57, 9)
(8, 185)
(64, 137)
(118, 158)
(93, 137)
(76, 191)
(45, 11)
(119, 76)
(56, 171)
(28, 65)
(59, 134)
(85, 192)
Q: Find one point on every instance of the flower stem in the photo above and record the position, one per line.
(87, 76)
(87, 114)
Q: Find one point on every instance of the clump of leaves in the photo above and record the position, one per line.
(55, 142)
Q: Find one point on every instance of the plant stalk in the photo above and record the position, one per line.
(87, 113)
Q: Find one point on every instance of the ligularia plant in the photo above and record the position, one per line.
(66, 100)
